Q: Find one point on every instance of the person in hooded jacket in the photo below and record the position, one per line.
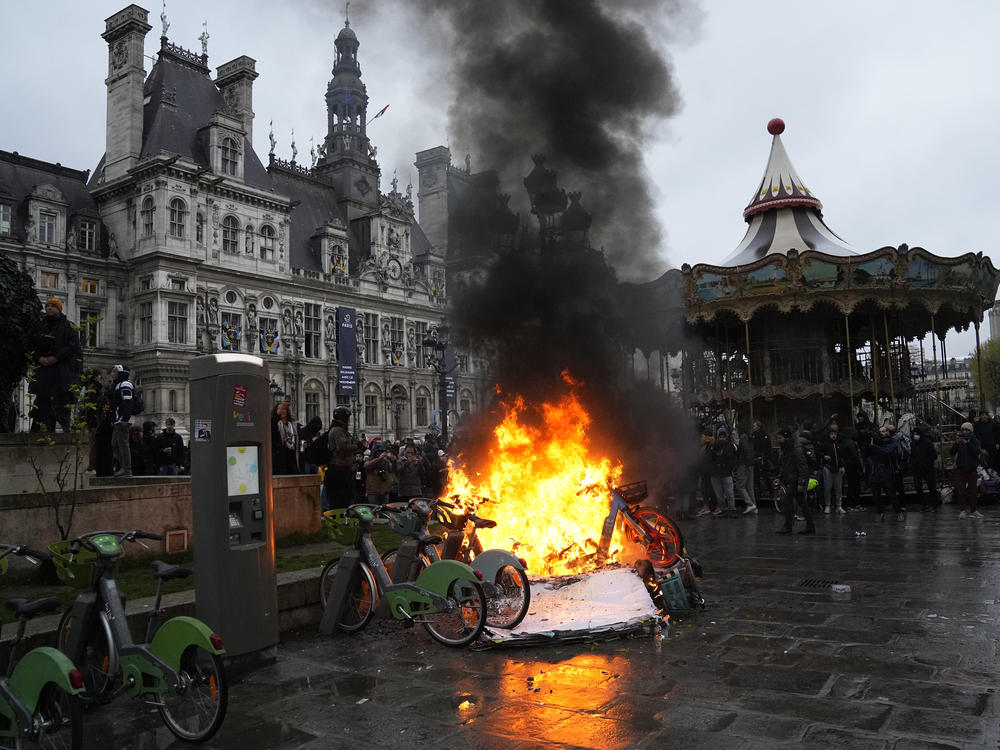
(923, 454)
(122, 411)
(832, 455)
(966, 450)
(340, 471)
(58, 360)
(723, 463)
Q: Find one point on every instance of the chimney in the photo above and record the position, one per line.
(125, 33)
(235, 81)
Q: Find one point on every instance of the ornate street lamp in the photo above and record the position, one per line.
(438, 343)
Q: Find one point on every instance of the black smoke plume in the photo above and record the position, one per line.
(582, 82)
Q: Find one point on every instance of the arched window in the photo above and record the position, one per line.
(230, 235)
(178, 218)
(230, 155)
(267, 243)
(146, 217)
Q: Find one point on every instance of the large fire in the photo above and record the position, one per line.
(546, 489)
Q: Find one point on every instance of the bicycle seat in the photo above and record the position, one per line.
(430, 539)
(24, 608)
(169, 572)
(483, 523)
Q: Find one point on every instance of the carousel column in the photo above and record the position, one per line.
(746, 336)
(850, 366)
(937, 375)
(873, 344)
(979, 371)
(888, 364)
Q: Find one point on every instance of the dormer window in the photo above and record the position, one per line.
(47, 227)
(6, 212)
(229, 156)
(86, 238)
(178, 218)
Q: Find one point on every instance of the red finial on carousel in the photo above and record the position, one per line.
(776, 126)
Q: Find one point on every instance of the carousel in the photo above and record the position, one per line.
(797, 325)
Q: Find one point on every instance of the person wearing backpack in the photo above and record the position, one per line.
(312, 439)
(122, 411)
(339, 477)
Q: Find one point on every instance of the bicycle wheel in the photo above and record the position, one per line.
(195, 709)
(389, 560)
(463, 625)
(57, 723)
(96, 658)
(513, 595)
(361, 600)
(668, 542)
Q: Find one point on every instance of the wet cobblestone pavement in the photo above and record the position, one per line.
(908, 661)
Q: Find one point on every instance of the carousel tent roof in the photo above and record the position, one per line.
(784, 214)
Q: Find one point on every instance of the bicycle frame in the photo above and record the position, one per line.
(427, 595)
(145, 668)
(27, 675)
(488, 562)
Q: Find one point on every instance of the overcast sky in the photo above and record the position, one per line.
(890, 107)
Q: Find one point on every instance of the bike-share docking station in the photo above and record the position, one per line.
(236, 585)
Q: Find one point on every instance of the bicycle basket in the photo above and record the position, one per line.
(76, 572)
(405, 524)
(634, 492)
(341, 529)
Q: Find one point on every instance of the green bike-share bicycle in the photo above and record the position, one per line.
(446, 598)
(178, 669)
(38, 707)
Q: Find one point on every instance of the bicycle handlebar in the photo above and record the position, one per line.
(23, 551)
(122, 536)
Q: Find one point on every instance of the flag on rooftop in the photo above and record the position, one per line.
(380, 113)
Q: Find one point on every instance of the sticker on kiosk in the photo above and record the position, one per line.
(239, 395)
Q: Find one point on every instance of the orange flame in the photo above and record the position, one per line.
(546, 489)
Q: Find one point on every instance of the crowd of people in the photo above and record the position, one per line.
(747, 465)
(355, 470)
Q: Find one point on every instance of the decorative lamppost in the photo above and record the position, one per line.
(437, 341)
(277, 392)
(398, 401)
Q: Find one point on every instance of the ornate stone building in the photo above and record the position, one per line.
(182, 242)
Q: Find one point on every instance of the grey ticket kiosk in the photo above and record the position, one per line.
(235, 583)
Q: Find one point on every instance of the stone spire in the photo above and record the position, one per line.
(347, 158)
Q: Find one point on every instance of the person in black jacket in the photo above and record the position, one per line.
(122, 411)
(169, 450)
(966, 449)
(793, 474)
(723, 455)
(832, 456)
(923, 454)
(884, 454)
(58, 360)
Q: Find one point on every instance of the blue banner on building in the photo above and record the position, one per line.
(347, 351)
(449, 369)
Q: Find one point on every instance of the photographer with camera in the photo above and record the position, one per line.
(380, 473)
